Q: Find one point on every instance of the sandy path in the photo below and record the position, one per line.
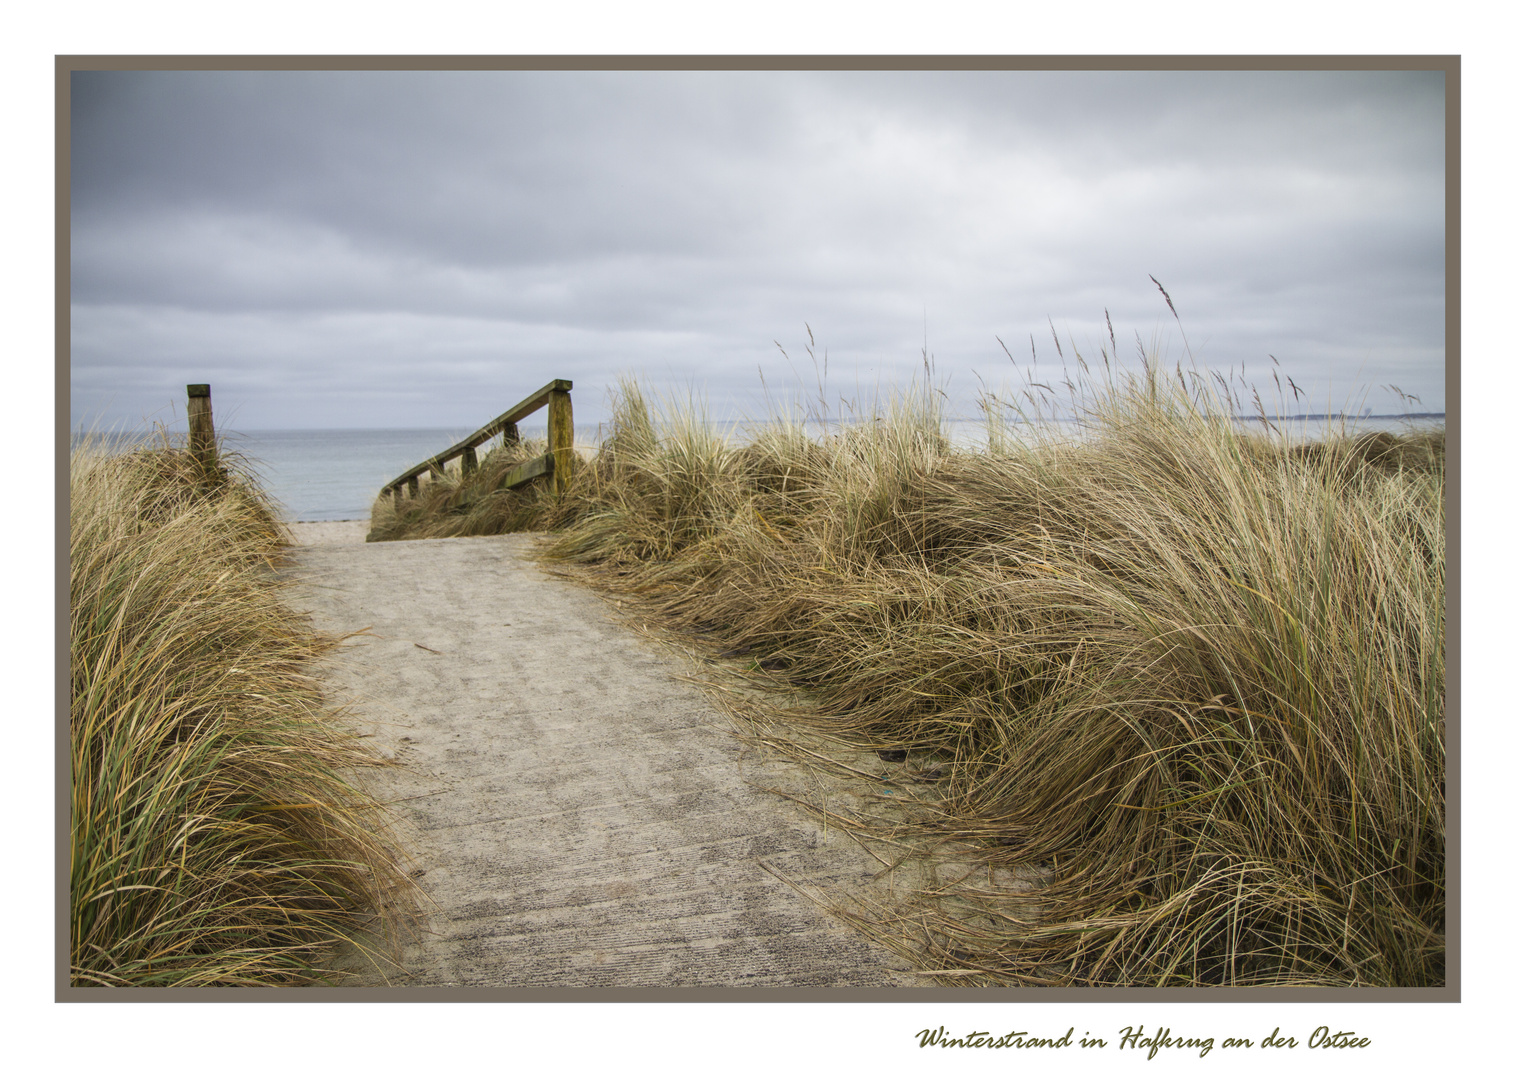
(581, 817)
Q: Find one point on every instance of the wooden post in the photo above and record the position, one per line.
(202, 436)
(413, 488)
(560, 438)
(470, 460)
(396, 493)
(509, 436)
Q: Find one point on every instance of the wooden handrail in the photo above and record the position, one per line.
(557, 462)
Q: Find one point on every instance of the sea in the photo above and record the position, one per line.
(331, 475)
(335, 475)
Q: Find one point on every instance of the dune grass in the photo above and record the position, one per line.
(217, 835)
(1191, 677)
(473, 505)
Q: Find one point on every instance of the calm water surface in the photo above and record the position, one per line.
(332, 475)
(335, 475)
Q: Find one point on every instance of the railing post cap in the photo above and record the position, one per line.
(199, 389)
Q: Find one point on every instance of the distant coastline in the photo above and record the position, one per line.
(335, 474)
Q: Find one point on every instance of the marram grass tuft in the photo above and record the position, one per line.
(473, 505)
(1180, 680)
(217, 835)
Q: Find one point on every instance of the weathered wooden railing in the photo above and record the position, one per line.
(557, 463)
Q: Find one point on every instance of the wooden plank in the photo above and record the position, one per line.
(504, 424)
(507, 419)
(529, 470)
(528, 405)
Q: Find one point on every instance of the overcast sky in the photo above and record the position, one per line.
(422, 249)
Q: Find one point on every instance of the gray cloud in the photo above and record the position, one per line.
(419, 248)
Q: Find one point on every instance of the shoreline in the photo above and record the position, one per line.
(328, 533)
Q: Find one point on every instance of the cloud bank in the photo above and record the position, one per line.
(420, 249)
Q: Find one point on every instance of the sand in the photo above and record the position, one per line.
(578, 814)
(328, 533)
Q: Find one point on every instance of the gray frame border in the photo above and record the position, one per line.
(1450, 65)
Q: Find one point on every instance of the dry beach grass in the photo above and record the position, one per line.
(217, 835)
(1176, 687)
